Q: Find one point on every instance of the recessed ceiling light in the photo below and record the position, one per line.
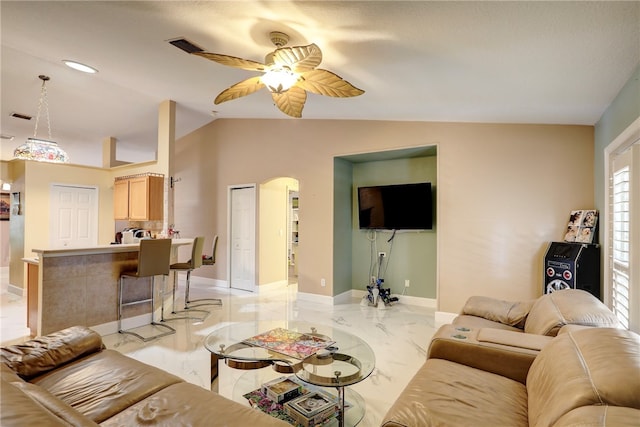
(80, 67)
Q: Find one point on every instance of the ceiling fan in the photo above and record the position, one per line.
(289, 73)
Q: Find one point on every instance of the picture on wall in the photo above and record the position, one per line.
(5, 206)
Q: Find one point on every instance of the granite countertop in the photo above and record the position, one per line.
(99, 249)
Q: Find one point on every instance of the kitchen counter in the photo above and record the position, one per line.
(100, 249)
(79, 286)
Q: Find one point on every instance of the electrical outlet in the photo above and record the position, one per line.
(382, 254)
(323, 282)
(407, 283)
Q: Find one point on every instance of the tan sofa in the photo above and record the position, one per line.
(69, 378)
(505, 337)
(542, 316)
(582, 377)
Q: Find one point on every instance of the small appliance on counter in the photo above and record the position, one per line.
(127, 237)
(133, 235)
(141, 234)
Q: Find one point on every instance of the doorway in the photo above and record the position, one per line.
(242, 232)
(74, 216)
(277, 232)
(293, 236)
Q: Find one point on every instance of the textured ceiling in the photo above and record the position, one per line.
(498, 62)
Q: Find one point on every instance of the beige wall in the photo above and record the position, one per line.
(33, 180)
(272, 232)
(504, 191)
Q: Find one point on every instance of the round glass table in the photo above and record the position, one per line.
(318, 355)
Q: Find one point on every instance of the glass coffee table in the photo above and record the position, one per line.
(347, 360)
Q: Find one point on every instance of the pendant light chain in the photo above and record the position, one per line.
(41, 150)
(43, 100)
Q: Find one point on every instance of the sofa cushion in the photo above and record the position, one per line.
(475, 322)
(55, 405)
(552, 311)
(600, 415)
(444, 393)
(505, 353)
(506, 312)
(186, 404)
(103, 384)
(18, 409)
(45, 353)
(8, 375)
(596, 366)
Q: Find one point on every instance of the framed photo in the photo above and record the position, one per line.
(5, 206)
(582, 226)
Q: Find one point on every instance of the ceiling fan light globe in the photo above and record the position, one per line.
(279, 80)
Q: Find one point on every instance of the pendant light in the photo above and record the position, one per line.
(41, 150)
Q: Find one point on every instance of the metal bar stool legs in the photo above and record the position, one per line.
(188, 267)
(183, 314)
(168, 330)
(153, 260)
(188, 303)
(203, 301)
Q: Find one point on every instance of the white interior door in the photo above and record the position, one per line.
(74, 216)
(242, 201)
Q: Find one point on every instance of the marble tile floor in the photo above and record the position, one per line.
(398, 335)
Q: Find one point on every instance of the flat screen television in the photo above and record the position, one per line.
(396, 207)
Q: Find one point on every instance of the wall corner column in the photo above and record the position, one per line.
(166, 150)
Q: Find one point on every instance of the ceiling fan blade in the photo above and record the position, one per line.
(298, 58)
(232, 61)
(323, 82)
(238, 90)
(291, 102)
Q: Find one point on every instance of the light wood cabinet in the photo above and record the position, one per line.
(121, 199)
(139, 198)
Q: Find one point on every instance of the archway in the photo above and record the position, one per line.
(278, 231)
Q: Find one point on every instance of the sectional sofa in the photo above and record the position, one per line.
(69, 378)
(560, 361)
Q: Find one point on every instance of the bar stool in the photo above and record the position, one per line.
(154, 259)
(205, 261)
(189, 266)
(212, 260)
(196, 261)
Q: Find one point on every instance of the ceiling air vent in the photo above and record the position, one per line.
(186, 45)
(21, 116)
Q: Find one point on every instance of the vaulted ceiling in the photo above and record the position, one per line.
(497, 62)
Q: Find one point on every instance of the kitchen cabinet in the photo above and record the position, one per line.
(139, 198)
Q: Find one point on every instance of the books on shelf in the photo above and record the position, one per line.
(281, 389)
(290, 343)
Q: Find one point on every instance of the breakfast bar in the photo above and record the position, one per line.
(79, 286)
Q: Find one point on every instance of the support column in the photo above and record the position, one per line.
(166, 149)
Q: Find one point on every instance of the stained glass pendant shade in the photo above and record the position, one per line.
(41, 150)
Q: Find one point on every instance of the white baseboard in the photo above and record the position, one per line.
(402, 299)
(15, 290)
(320, 299)
(127, 323)
(443, 318)
(206, 282)
(343, 298)
(272, 286)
